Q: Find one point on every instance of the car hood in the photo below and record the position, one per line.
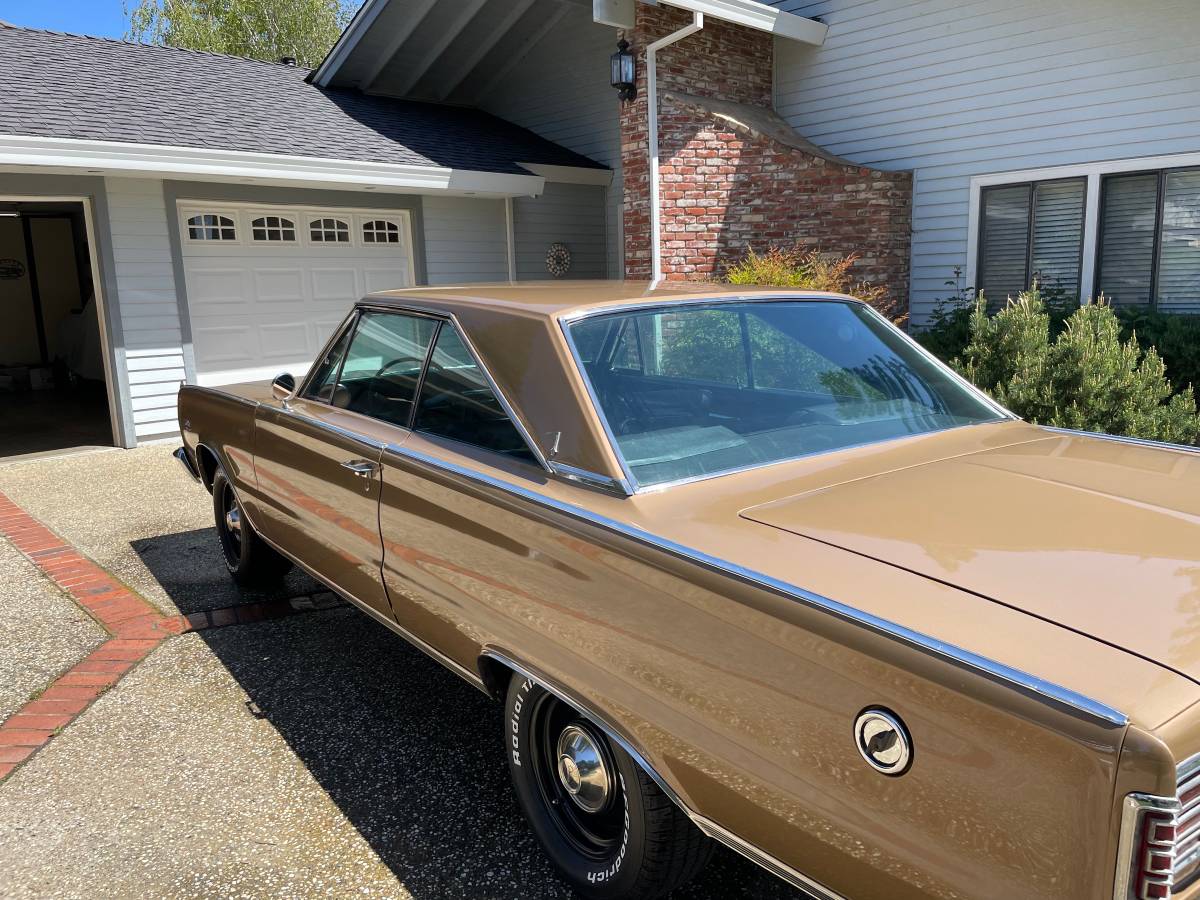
(1098, 536)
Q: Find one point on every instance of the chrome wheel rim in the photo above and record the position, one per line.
(581, 769)
(577, 779)
(231, 526)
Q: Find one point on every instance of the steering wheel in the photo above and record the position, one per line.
(375, 397)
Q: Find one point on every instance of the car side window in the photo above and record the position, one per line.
(323, 380)
(457, 401)
(383, 366)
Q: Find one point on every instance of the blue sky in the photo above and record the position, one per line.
(103, 18)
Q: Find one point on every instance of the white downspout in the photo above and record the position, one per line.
(652, 135)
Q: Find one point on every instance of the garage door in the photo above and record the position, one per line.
(266, 285)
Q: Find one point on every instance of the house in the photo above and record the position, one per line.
(230, 209)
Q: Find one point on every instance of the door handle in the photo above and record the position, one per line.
(363, 468)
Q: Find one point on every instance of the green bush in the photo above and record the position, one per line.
(815, 271)
(1176, 338)
(1086, 377)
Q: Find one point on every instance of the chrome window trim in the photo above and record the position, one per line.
(346, 325)
(591, 479)
(1132, 808)
(566, 321)
(1122, 439)
(1015, 678)
(810, 888)
(470, 345)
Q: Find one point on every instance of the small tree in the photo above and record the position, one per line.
(1086, 378)
(260, 29)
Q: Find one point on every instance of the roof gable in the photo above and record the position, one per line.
(69, 86)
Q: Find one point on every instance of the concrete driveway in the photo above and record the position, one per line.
(314, 755)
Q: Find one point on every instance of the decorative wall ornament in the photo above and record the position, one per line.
(558, 260)
(14, 268)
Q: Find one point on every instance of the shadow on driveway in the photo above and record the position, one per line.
(190, 568)
(410, 753)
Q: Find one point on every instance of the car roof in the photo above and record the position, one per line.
(565, 299)
(515, 330)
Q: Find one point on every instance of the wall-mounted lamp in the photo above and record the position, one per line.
(624, 71)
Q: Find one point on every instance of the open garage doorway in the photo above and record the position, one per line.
(54, 386)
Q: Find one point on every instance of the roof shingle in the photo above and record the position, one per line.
(70, 86)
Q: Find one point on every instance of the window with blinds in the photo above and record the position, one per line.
(1149, 246)
(1029, 232)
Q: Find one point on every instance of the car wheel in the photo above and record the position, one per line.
(250, 560)
(609, 829)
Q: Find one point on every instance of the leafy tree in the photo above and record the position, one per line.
(1086, 378)
(260, 29)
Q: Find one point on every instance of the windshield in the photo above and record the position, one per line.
(690, 391)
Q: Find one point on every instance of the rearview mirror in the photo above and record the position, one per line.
(283, 386)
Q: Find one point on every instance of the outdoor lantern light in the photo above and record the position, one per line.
(624, 71)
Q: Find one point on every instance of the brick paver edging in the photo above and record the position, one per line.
(136, 627)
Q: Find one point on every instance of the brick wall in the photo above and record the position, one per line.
(734, 176)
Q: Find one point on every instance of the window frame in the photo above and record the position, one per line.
(1031, 217)
(283, 224)
(1160, 200)
(1093, 172)
(442, 319)
(231, 216)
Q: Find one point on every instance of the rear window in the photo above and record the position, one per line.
(690, 391)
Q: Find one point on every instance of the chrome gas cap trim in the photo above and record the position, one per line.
(581, 769)
(883, 741)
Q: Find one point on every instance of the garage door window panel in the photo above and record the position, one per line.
(273, 229)
(381, 231)
(329, 231)
(211, 227)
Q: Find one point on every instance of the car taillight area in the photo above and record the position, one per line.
(1187, 842)
(1149, 835)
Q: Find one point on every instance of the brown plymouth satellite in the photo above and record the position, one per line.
(749, 565)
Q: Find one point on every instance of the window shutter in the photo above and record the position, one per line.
(1130, 206)
(1058, 235)
(1004, 250)
(1179, 258)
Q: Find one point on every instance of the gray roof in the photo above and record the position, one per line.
(69, 86)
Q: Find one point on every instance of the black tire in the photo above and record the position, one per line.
(638, 845)
(250, 560)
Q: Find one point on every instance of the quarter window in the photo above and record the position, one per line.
(273, 228)
(381, 231)
(1149, 248)
(1031, 232)
(329, 231)
(457, 402)
(211, 227)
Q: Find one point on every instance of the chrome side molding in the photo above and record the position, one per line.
(1121, 439)
(1059, 696)
(809, 888)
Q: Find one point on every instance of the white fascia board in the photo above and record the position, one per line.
(163, 161)
(570, 174)
(759, 16)
(359, 25)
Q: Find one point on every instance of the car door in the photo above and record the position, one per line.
(317, 455)
(434, 535)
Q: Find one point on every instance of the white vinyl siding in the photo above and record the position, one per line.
(571, 214)
(466, 239)
(147, 307)
(957, 88)
(561, 91)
